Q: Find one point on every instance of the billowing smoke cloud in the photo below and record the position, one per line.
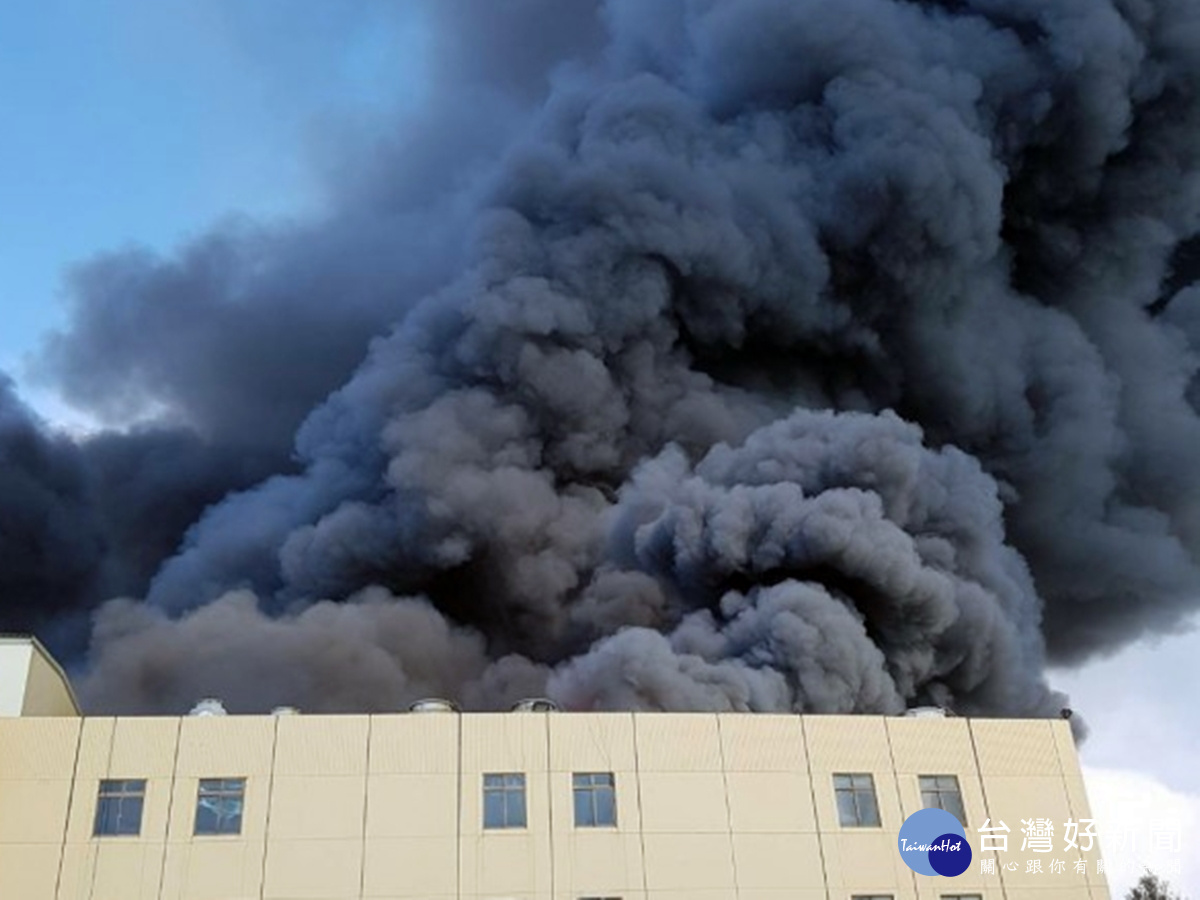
(50, 548)
(754, 355)
(82, 521)
(331, 657)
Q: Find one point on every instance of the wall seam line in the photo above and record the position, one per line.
(62, 855)
(987, 807)
(1075, 814)
(550, 803)
(637, 774)
(162, 868)
(362, 857)
(737, 884)
(887, 734)
(458, 874)
(262, 877)
(112, 739)
(812, 790)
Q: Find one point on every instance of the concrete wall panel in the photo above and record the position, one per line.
(684, 802)
(424, 743)
(321, 745)
(592, 743)
(762, 744)
(214, 746)
(410, 867)
(689, 862)
(38, 748)
(317, 806)
(770, 802)
(1025, 747)
(313, 870)
(678, 742)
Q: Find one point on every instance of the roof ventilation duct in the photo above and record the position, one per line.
(434, 704)
(925, 712)
(535, 704)
(209, 706)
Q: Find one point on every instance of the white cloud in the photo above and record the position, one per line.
(1144, 692)
(1143, 824)
(1140, 757)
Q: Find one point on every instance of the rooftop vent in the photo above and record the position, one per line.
(925, 712)
(285, 711)
(535, 704)
(434, 704)
(209, 706)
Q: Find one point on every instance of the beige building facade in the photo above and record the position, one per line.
(517, 806)
(31, 682)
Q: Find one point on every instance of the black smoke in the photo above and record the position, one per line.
(759, 355)
(84, 520)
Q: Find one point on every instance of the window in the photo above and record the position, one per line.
(962, 897)
(599, 898)
(872, 897)
(941, 792)
(219, 803)
(856, 801)
(504, 800)
(595, 801)
(119, 807)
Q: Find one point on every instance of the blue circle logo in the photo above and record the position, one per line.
(933, 842)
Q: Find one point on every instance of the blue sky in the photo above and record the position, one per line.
(142, 121)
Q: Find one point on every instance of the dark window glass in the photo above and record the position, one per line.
(119, 807)
(941, 792)
(504, 800)
(219, 803)
(595, 799)
(856, 801)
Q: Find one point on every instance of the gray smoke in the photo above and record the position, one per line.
(752, 354)
(81, 521)
(50, 546)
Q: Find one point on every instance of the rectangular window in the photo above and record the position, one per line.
(119, 807)
(504, 800)
(941, 792)
(856, 801)
(872, 897)
(595, 800)
(219, 803)
(962, 897)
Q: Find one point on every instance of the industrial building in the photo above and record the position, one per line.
(528, 805)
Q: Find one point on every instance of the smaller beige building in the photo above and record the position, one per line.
(31, 682)
(527, 805)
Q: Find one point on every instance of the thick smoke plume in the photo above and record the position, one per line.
(833, 355)
(82, 521)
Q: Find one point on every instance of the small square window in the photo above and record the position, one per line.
(942, 792)
(595, 800)
(219, 804)
(504, 800)
(856, 801)
(119, 807)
